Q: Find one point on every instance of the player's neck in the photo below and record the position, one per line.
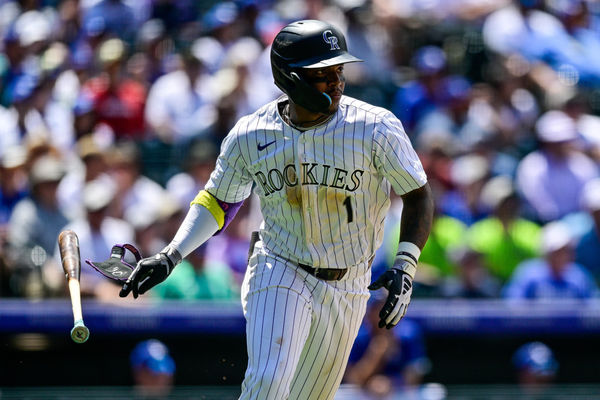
(301, 118)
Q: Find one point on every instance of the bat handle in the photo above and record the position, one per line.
(80, 333)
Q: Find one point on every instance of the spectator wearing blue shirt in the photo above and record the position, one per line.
(13, 183)
(421, 95)
(556, 275)
(383, 362)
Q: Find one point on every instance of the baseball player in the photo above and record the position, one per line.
(322, 165)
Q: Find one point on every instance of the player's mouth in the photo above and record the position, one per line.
(335, 95)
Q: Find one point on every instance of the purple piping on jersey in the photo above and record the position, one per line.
(230, 210)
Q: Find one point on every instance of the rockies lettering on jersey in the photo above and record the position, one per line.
(324, 191)
(312, 174)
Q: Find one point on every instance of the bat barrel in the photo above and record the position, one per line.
(68, 243)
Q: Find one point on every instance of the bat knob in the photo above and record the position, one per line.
(80, 333)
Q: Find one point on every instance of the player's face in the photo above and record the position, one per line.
(329, 80)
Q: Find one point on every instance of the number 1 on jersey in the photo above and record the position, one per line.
(348, 204)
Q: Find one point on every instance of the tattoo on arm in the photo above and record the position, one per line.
(417, 216)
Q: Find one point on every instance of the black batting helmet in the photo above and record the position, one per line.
(307, 44)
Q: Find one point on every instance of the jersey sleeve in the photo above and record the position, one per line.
(230, 181)
(395, 157)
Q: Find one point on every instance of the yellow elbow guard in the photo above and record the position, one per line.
(207, 200)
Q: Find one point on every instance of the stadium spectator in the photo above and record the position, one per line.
(156, 48)
(153, 370)
(453, 114)
(134, 189)
(523, 32)
(13, 183)
(116, 17)
(588, 124)
(34, 226)
(180, 104)
(468, 173)
(118, 101)
(536, 368)
(12, 57)
(387, 362)
(544, 174)
(588, 246)
(89, 163)
(555, 276)
(446, 233)
(434, 264)
(97, 233)
(196, 168)
(472, 279)
(505, 238)
(199, 278)
(575, 49)
(421, 95)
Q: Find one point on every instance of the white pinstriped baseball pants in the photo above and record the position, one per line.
(299, 329)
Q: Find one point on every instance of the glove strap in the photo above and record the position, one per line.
(407, 258)
(173, 256)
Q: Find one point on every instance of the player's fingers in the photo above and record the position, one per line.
(125, 289)
(129, 284)
(393, 313)
(398, 317)
(388, 307)
(376, 285)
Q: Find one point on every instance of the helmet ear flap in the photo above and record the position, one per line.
(307, 96)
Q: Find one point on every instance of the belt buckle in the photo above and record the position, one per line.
(316, 273)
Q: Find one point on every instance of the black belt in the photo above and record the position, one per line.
(326, 274)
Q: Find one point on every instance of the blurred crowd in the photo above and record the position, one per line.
(112, 113)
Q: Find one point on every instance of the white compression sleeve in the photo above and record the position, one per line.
(198, 226)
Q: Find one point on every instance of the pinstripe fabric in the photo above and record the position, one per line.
(324, 194)
(300, 329)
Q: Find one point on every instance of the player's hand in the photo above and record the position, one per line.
(148, 273)
(399, 285)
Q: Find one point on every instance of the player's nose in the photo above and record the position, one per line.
(335, 77)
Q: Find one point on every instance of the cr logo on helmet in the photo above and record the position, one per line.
(331, 40)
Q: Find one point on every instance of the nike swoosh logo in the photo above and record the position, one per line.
(262, 147)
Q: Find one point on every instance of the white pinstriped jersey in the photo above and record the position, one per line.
(324, 192)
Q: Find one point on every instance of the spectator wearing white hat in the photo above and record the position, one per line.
(588, 247)
(555, 276)
(34, 226)
(468, 173)
(551, 179)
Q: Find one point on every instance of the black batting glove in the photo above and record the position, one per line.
(399, 285)
(150, 271)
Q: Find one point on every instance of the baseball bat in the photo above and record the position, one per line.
(68, 243)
